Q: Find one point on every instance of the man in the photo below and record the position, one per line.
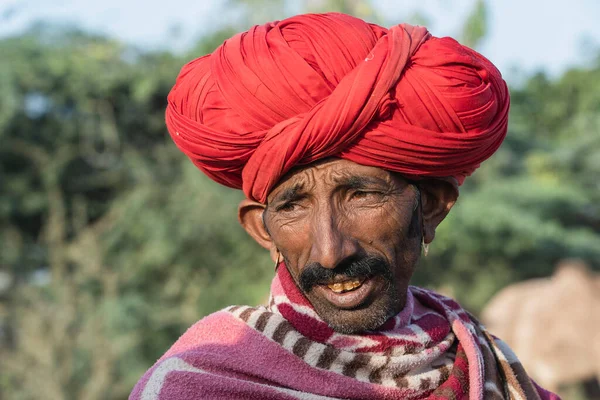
(350, 142)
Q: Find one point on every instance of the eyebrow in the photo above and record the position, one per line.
(289, 194)
(359, 182)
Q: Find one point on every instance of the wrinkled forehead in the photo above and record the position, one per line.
(332, 172)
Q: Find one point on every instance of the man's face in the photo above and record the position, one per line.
(350, 236)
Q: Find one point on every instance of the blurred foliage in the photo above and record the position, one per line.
(475, 26)
(112, 243)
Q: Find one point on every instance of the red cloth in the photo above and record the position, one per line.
(312, 86)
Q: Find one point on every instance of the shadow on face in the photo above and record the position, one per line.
(350, 236)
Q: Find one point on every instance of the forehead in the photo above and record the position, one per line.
(330, 172)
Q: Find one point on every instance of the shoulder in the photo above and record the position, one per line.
(515, 372)
(217, 329)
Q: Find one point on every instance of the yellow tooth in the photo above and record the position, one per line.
(339, 287)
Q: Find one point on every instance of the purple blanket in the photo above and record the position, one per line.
(433, 349)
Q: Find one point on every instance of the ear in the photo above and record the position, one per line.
(250, 216)
(437, 198)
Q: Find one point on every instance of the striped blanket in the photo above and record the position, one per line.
(433, 349)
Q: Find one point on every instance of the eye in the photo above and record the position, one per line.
(286, 207)
(365, 195)
(360, 194)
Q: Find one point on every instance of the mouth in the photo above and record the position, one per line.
(347, 294)
(345, 286)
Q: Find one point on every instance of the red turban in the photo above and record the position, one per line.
(312, 86)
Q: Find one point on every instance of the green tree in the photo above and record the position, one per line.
(474, 29)
(115, 242)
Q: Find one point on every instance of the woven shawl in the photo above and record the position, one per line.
(433, 349)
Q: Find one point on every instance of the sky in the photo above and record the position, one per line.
(524, 35)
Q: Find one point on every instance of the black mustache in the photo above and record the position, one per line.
(358, 267)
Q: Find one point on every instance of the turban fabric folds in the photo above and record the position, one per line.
(291, 92)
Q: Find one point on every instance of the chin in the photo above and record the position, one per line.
(363, 319)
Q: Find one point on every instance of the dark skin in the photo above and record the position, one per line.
(340, 216)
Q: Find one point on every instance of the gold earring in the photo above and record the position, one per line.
(277, 261)
(425, 247)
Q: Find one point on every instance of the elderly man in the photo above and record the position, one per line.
(349, 141)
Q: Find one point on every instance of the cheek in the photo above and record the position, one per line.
(387, 231)
(378, 224)
(407, 245)
(293, 242)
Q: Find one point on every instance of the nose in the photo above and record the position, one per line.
(332, 241)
